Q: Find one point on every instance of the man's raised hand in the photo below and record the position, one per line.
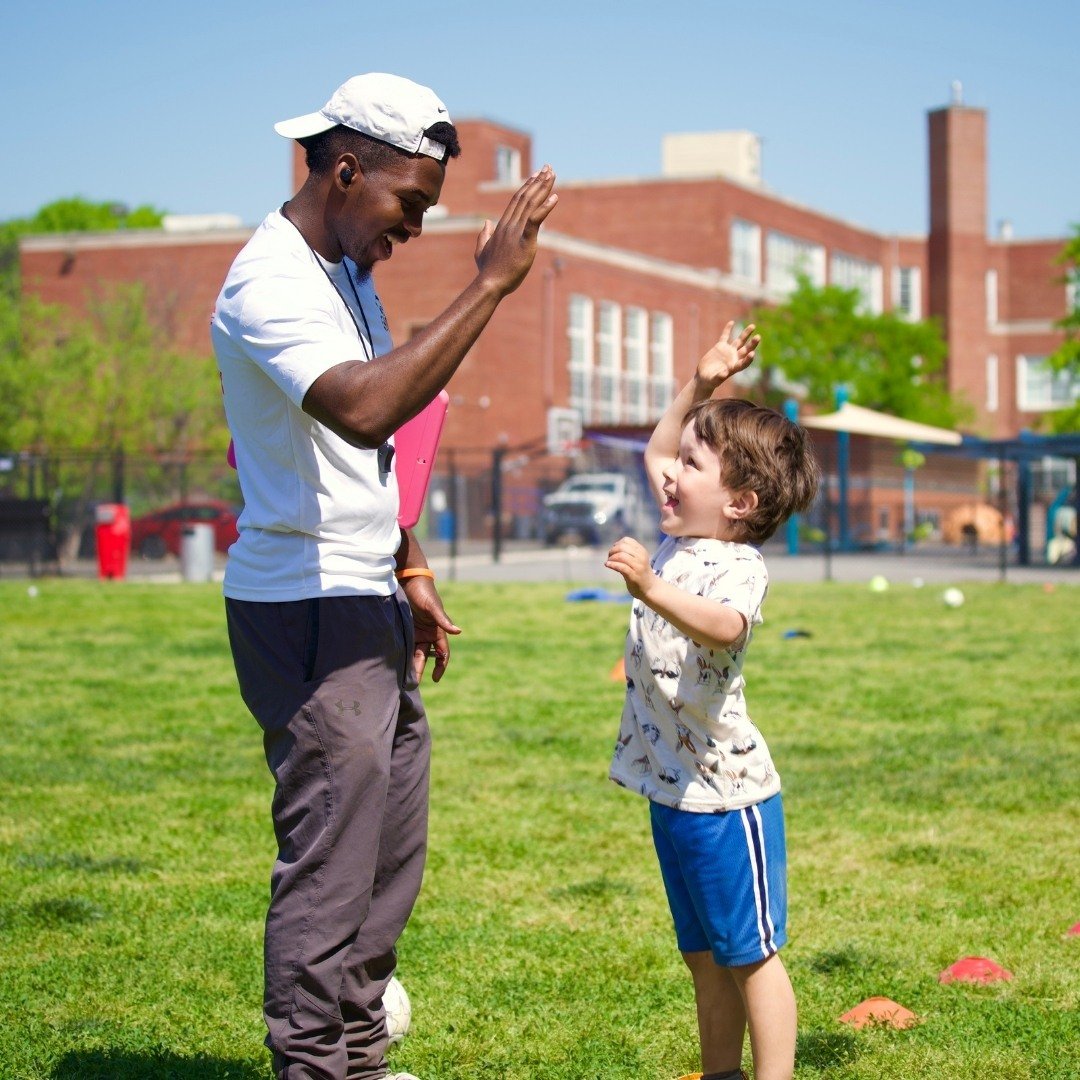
(505, 252)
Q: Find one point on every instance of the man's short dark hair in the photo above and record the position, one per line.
(322, 151)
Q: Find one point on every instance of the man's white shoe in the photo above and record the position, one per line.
(401, 1076)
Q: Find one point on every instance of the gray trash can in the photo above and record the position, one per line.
(197, 551)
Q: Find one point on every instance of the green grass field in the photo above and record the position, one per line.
(931, 766)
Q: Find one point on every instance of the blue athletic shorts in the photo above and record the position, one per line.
(726, 879)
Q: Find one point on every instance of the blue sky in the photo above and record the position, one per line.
(173, 105)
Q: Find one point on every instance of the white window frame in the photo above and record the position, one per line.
(993, 383)
(786, 256)
(1057, 389)
(636, 362)
(661, 362)
(507, 164)
(912, 275)
(579, 331)
(609, 373)
(850, 272)
(992, 312)
(746, 250)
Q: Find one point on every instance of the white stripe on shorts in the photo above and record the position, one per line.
(755, 844)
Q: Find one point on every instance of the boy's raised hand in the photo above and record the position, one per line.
(728, 356)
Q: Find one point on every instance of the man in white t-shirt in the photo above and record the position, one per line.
(332, 609)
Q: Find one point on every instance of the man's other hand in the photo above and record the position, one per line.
(431, 625)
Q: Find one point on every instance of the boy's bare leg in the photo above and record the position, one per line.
(720, 1011)
(771, 1016)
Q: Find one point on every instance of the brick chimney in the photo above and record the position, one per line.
(958, 253)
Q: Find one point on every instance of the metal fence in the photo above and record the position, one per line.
(67, 489)
(488, 495)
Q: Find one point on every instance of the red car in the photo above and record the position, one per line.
(153, 536)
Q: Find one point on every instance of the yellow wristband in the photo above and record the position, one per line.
(415, 571)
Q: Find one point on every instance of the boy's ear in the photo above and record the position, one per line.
(741, 504)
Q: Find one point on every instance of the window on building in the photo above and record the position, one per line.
(991, 297)
(992, 395)
(1072, 292)
(507, 165)
(851, 273)
(746, 251)
(661, 362)
(580, 332)
(636, 356)
(931, 519)
(907, 292)
(609, 363)
(786, 257)
(1039, 388)
(1050, 474)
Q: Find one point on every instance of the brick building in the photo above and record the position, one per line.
(635, 277)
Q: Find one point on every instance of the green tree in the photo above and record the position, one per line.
(80, 215)
(66, 215)
(820, 338)
(77, 390)
(108, 380)
(1066, 357)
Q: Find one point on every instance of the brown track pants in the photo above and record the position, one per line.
(330, 682)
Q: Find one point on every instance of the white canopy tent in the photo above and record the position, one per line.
(855, 420)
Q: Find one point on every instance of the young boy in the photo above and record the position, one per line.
(726, 473)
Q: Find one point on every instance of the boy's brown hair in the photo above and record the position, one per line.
(759, 451)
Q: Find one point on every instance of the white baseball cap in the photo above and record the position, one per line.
(386, 107)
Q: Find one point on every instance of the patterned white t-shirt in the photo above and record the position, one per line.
(686, 739)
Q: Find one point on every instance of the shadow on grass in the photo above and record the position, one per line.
(825, 1050)
(152, 1065)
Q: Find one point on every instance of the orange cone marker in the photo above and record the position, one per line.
(879, 1010)
(975, 969)
(618, 672)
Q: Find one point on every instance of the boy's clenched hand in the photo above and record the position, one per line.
(629, 558)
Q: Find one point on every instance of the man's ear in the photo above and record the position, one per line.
(347, 170)
(740, 505)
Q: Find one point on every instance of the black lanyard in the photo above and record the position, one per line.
(386, 451)
(366, 343)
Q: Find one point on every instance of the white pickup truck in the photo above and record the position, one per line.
(596, 508)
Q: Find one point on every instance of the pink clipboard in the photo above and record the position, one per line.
(415, 444)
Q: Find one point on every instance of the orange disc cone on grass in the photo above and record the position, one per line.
(975, 969)
(1073, 931)
(618, 672)
(879, 1010)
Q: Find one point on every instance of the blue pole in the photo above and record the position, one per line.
(791, 411)
(907, 529)
(843, 451)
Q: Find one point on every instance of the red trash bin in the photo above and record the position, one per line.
(113, 534)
